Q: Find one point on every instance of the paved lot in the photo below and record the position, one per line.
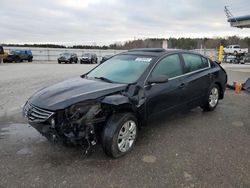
(237, 72)
(193, 149)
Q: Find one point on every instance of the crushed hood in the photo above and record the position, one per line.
(69, 92)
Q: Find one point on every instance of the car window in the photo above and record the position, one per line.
(169, 66)
(194, 62)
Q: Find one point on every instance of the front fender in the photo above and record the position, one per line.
(116, 100)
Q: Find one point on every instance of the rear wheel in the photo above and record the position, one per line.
(119, 134)
(59, 62)
(213, 98)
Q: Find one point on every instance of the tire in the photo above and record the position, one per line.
(30, 60)
(119, 124)
(17, 60)
(70, 61)
(212, 98)
(59, 62)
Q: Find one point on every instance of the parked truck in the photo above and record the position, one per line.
(19, 56)
(235, 49)
(2, 54)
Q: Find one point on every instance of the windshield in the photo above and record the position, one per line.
(86, 55)
(122, 68)
(13, 52)
(65, 54)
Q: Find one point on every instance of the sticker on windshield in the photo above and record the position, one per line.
(143, 59)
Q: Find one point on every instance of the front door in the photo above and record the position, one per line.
(165, 97)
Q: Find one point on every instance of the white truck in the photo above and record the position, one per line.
(235, 50)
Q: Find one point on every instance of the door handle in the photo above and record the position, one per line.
(182, 85)
(210, 75)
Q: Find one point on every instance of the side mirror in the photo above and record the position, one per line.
(158, 79)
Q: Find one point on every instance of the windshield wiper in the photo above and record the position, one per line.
(104, 79)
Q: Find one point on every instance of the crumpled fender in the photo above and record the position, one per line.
(116, 100)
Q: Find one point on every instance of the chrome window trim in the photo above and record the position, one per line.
(199, 70)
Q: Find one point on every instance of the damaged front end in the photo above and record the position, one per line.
(73, 125)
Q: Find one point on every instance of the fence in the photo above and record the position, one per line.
(51, 54)
(211, 53)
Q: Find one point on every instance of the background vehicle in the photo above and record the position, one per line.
(2, 54)
(1, 50)
(247, 58)
(89, 58)
(109, 103)
(67, 58)
(105, 58)
(235, 49)
(229, 59)
(19, 56)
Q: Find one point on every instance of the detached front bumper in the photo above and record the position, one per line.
(41, 120)
(61, 127)
(48, 131)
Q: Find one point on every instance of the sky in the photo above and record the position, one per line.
(102, 22)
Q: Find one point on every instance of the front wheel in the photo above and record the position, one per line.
(213, 98)
(119, 134)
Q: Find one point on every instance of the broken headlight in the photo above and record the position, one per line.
(83, 110)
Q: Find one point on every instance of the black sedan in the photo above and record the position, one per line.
(67, 58)
(89, 58)
(109, 103)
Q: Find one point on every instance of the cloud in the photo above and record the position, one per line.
(103, 22)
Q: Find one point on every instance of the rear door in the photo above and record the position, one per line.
(197, 78)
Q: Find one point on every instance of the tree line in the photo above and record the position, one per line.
(176, 43)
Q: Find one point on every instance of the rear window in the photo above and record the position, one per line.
(194, 62)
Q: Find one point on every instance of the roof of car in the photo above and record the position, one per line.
(157, 52)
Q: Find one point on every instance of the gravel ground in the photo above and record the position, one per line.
(193, 149)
